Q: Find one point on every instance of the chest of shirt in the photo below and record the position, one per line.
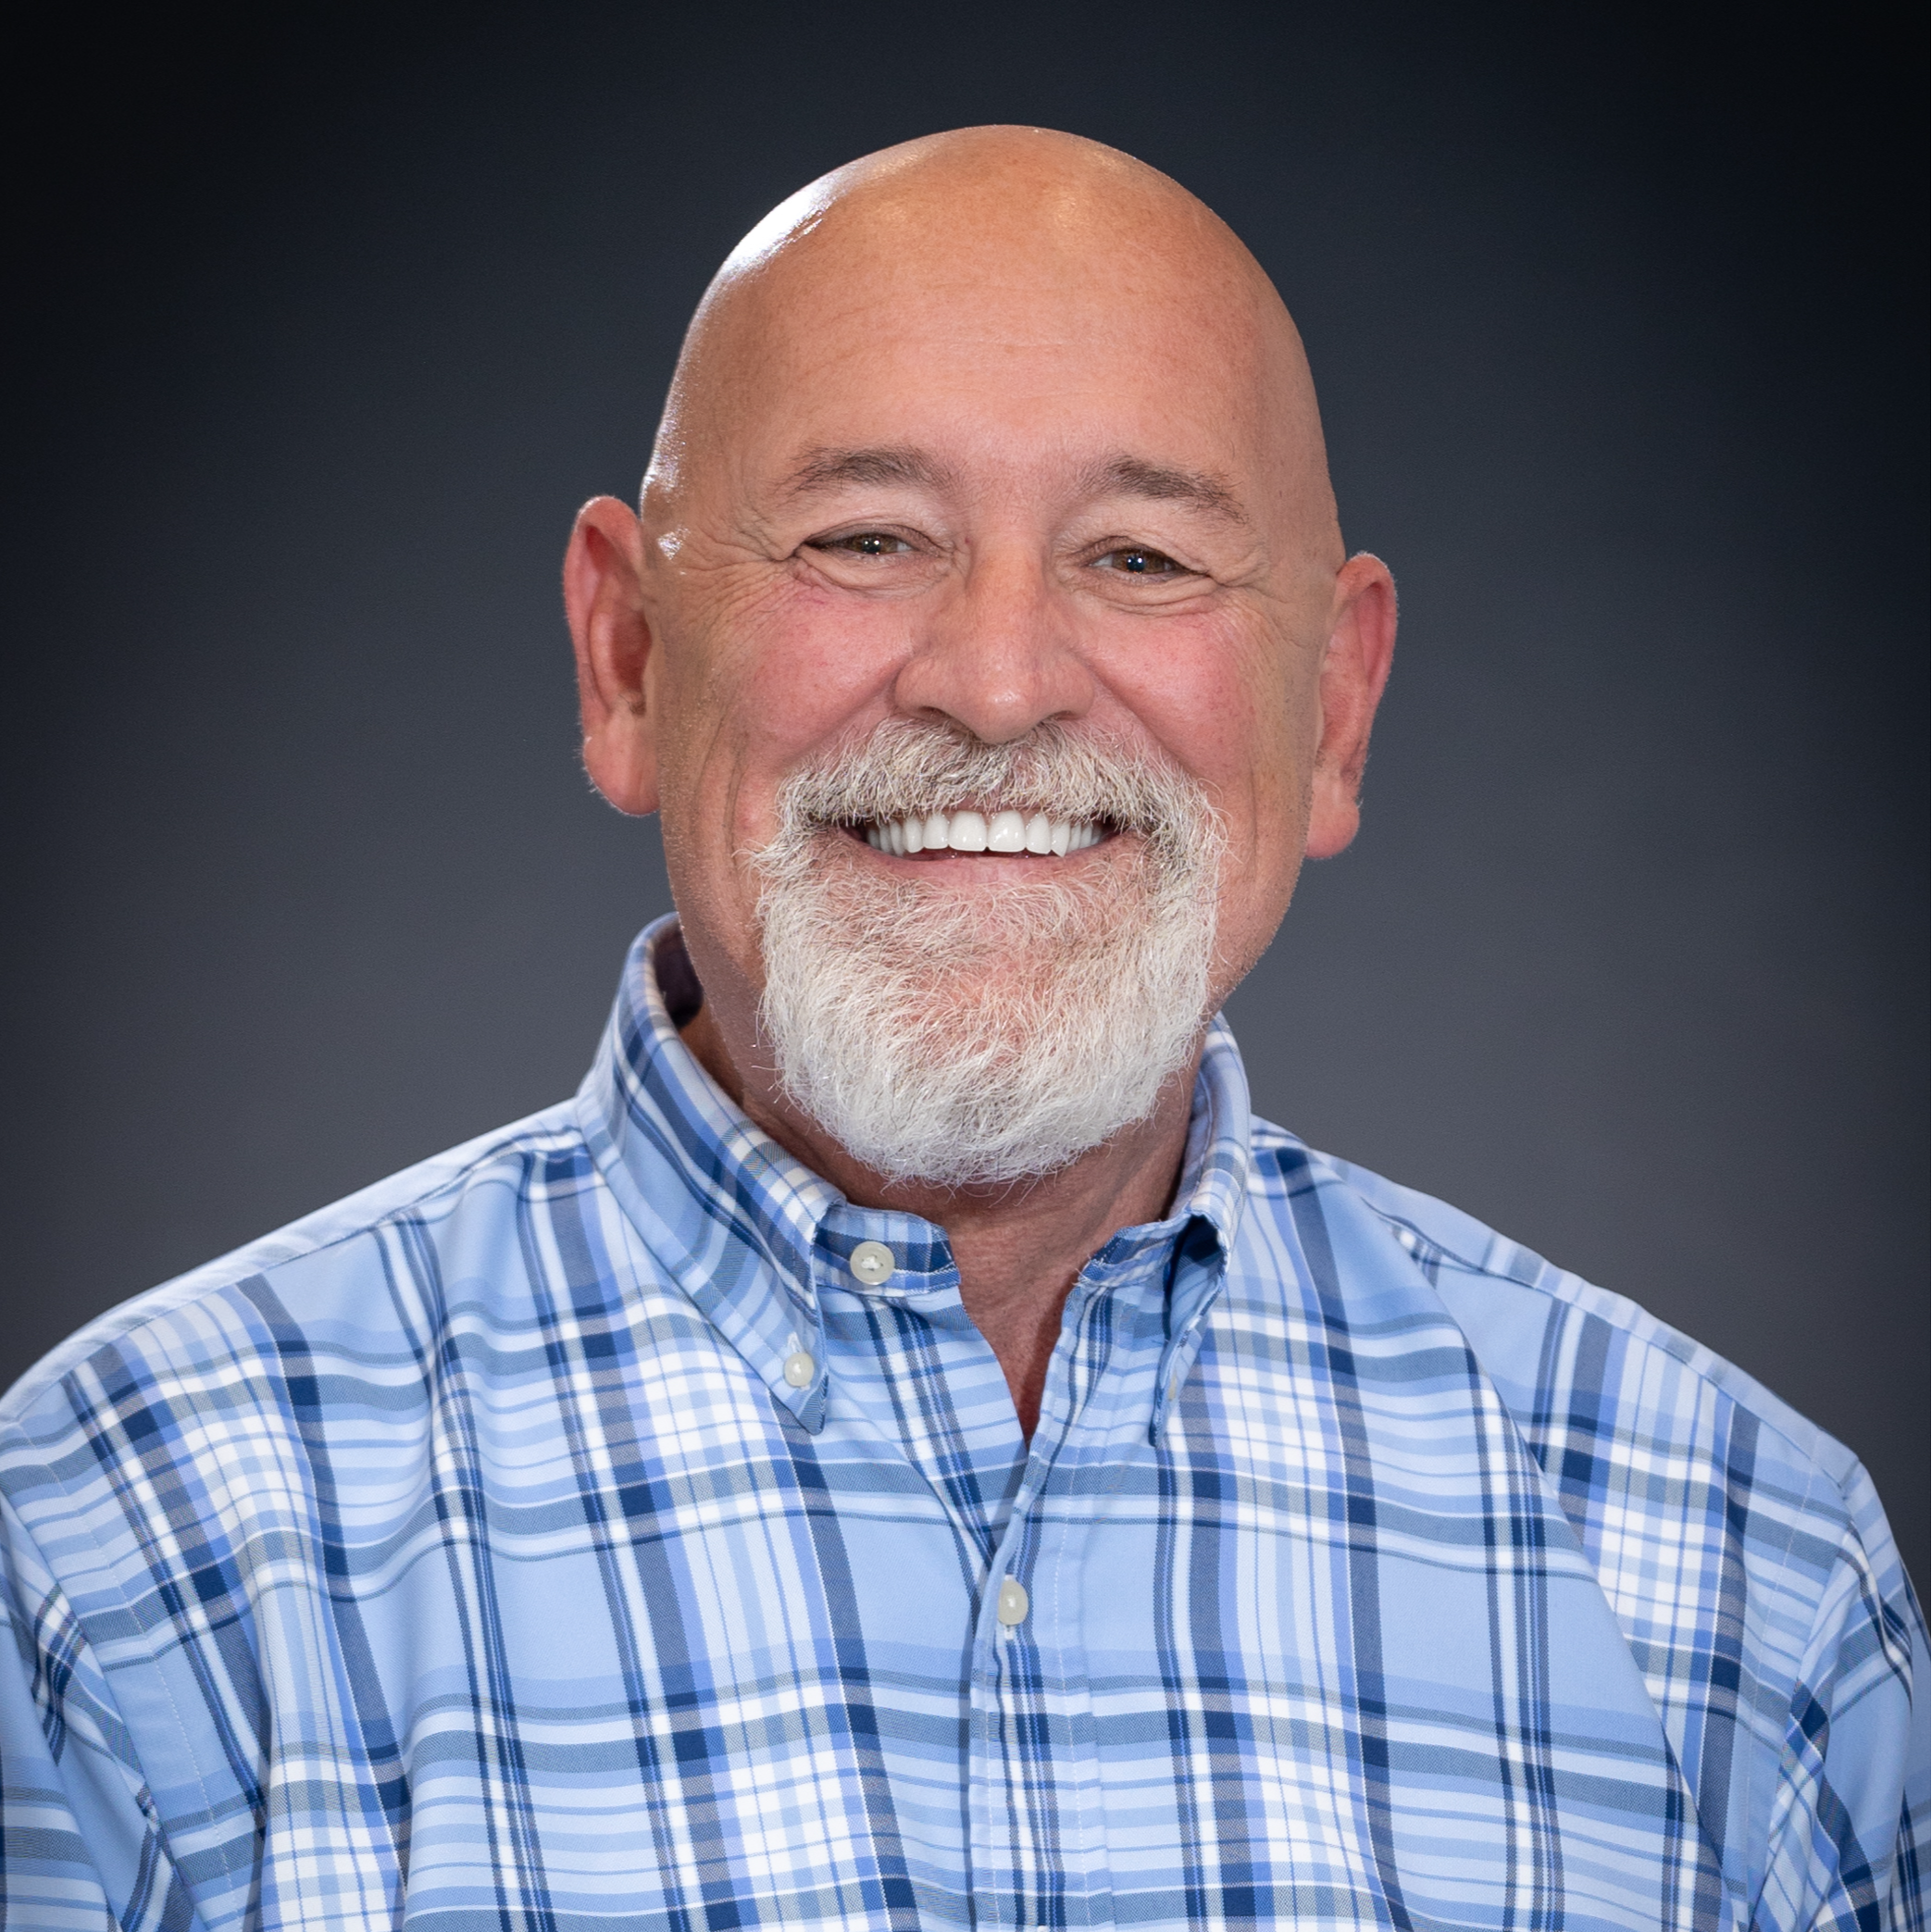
(619, 1636)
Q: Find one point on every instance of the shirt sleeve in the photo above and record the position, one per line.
(1850, 1817)
(81, 1846)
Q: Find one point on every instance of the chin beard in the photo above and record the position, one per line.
(977, 1038)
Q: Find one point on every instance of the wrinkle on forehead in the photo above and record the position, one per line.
(1043, 235)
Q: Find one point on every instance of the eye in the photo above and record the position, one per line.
(862, 542)
(1138, 560)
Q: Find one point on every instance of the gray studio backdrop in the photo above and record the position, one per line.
(329, 330)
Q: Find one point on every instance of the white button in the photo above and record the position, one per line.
(872, 1263)
(800, 1368)
(1011, 1606)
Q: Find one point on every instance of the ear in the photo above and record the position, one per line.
(1354, 670)
(603, 599)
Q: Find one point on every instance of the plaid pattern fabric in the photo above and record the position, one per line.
(466, 1555)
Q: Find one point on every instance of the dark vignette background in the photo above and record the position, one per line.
(325, 324)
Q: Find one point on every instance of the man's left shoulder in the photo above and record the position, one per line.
(1519, 1309)
(1607, 1397)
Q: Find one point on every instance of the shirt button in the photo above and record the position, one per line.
(800, 1368)
(872, 1263)
(1011, 1606)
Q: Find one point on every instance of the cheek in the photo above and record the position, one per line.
(1223, 703)
(778, 670)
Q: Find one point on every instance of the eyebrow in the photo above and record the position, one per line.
(1132, 475)
(827, 469)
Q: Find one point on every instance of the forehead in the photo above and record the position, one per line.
(1062, 349)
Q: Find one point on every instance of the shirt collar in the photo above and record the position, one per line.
(751, 1234)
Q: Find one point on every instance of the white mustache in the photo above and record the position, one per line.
(912, 768)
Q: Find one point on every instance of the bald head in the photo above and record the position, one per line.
(1004, 253)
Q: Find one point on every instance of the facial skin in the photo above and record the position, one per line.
(998, 428)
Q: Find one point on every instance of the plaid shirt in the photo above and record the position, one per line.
(561, 1535)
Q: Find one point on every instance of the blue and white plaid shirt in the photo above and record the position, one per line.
(559, 1535)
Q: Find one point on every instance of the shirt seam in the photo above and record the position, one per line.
(150, 1662)
(1616, 1319)
(19, 1402)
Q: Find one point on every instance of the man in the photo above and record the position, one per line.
(903, 1447)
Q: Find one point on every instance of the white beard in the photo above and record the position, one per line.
(979, 1038)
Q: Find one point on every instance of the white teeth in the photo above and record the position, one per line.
(971, 831)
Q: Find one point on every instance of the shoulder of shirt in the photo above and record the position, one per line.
(1438, 1236)
(430, 1189)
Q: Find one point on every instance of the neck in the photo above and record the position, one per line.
(1018, 1247)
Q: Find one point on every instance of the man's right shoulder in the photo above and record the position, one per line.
(330, 1264)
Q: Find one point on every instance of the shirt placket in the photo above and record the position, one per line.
(1013, 1772)
(903, 1268)
(1038, 1832)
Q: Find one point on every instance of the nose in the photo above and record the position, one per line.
(996, 654)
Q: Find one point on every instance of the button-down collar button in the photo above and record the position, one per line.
(1011, 1606)
(872, 1263)
(800, 1368)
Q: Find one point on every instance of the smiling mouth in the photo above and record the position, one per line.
(1016, 832)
